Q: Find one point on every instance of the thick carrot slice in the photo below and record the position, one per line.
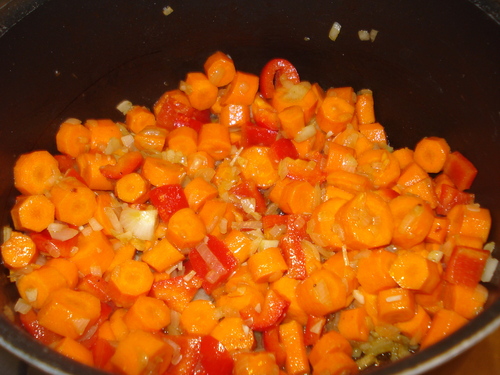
(232, 334)
(201, 93)
(128, 281)
(323, 227)
(431, 154)
(234, 115)
(138, 118)
(36, 287)
(36, 172)
(198, 191)
(340, 158)
(299, 197)
(74, 202)
(286, 286)
(199, 317)
(18, 251)
(373, 271)
(258, 166)
(465, 300)
(443, 324)
(404, 156)
(353, 324)
(299, 94)
(73, 139)
(132, 188)
(331, 342)
(101, 133)
(292, 121)
(147, 314)
(151, 138)
(89, 166)
(292, 337)
(417, 327)
(255, 363)
(74, 350)
(267, 265)
(95, 253)
(69, 312)
(413, 271)
(374, 132)
(214, 140)
(219, 68)
(365, 112)
(32, 213)
(321, 293)
(334, 114)
(366, 221)
(127, 163)
(185, 228)
(396, 305)
(336, 363)
(241, 90)
(161, 172)
(380, 167)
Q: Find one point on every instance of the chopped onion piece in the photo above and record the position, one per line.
(95, 225)
(22, 306)
(358, 296)
(128, 140)
(216, 268)
(306, 133)
(399, 297)
(31, 294)
(141, 223)
(363, 35)
(489, 269)
(435, 256)
(334, 31)
(167, 10)
(490, 246)
(124, 106)
(72, 120)
(373, 34)
(265, 244)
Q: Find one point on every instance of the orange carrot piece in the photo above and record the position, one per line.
(239, 244)
(353, 324)
(36, 286)
(67, 268)
(198, 163)
(241, 90)
(74, 350)
(340, 158)
(138, 118)
(36, 172)
(364, 107)
(73, 139)
(300, 94)
(124, 252)
(470, 221)
(32, 213)
(231, 332)
(380, 166)
(366, 221)
(126, 163)
(217, 216)
(234, 115)
(329, 343)
(416, 328)
(286, 287)
(201, 93)
(69, 312)
(334, 114)
(161, 172)
(396, 305)
(292, 336)
(243, 297)
(465, 300)
(151, 138)
(258, 166)
(219, 69)
(185, 228)
(101, 132)
(438, 231)
(404, 156)
(162, 256)
(425, 190)
(95, 253)
(132, 188)
(74, 202)
(118, 327)
(138, 350)
(431, 154)
(346, 93)
(374, 132)
(411, 174)
(214, 140)
(321, 293)
(267, 265)
(373, 271)
(292, 121)
(255, 363)
(413, 271)
(18, 251)
(443, 324)
(147, 314)
(128, 281)
(198, 191)
(331, 192)
(349, 181)
(322, 225)
(89, 165)
(199, 317)
(105, 202)
(413, 220)
(299, 197)
(336, 363)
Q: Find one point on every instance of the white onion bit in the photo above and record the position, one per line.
(334, 31)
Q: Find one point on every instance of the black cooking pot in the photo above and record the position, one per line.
(434, 68)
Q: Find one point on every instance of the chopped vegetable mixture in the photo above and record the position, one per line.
(245, 225)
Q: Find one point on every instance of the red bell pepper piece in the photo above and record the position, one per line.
(65, 162)
(272, 313)
(30, 322)
(314, 329)
(53, 247)
(264, 114)
(465, 266)
(188, 358)
(291, 246)
(213, 262)
(126, 164)
(168, 199)
(272, 74)
(96, 286)
(175, 112)
(460, 170)
(282, 148)
(273, 344)
(248, 189)
(298, 171)
(270, 221)
(215, 358)
(177, 291)
(449, 197)
(253, 135)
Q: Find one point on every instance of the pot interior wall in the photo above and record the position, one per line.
(434, 69)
